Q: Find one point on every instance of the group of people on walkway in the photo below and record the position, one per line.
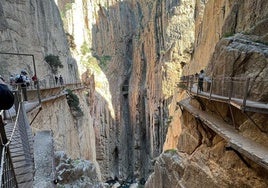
(22, 80)
(60, 79)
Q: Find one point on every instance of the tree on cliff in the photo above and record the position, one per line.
(54, 63)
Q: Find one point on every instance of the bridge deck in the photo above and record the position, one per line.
(245, 146)
(251, 106)
(23, 166)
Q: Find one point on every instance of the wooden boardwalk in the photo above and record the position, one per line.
(250, 106)
(245, 146)
(21, 168)
(22, 161)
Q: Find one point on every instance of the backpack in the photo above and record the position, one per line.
(6, 97)
(19, 79)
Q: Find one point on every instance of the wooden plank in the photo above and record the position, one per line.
(251, 106)
(243, 145)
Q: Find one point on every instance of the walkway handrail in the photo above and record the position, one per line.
(7, 173)
(229, 89)
(17, 142)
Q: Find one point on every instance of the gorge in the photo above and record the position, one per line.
(130, 56)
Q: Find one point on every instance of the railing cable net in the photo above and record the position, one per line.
(16, 144)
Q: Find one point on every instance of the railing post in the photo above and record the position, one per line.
(245, 94)
(16, 99)
(231, 89)
(210, 91)
(188, 83)
(197, 86)
(191, 83)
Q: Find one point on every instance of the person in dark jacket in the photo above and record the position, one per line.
(6, 96)
(201, 77)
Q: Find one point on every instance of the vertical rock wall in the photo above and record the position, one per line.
(33, 27)
(141, 47)
(72, 134)
(231, 40)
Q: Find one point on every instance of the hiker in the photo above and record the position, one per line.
(34, 79)
(56, 80)
(12, 81)
(6, 96)
(201, 77)
(22, 81)
(196, 76)
(208, 81)
(61, 80)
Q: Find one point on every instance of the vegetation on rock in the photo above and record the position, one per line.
(54, 62)
(73, 102)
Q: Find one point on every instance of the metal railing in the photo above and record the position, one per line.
(7, 173)
(226, 88)
(16, 150)
(17, 162)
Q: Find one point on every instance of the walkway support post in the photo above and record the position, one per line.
(245, 94)
(188, 83)
(192, 83)
(230, 89)
(210, 91)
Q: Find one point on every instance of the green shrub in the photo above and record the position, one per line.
(73, 102)
(172, 151)
(54, 62)
(228, 34)
(104, 61)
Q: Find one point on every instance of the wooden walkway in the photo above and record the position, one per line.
(250, 106)
(245, 146)
(20, 148)
(22, 162)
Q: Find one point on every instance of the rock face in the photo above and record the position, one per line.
(141, 47)
(74, 135)
(35, 28)
(219, 19)
(75, 173)
(243, 56)
(131, 54)
(239, 50)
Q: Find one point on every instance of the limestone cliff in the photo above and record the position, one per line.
(232, 42)
(35, 28)
(139, 47)
(131, 55)
(31, 30)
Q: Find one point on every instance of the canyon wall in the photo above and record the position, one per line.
(33, 28)
(140, 47)
(231, 41)
(131, 55)
(29, 31)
